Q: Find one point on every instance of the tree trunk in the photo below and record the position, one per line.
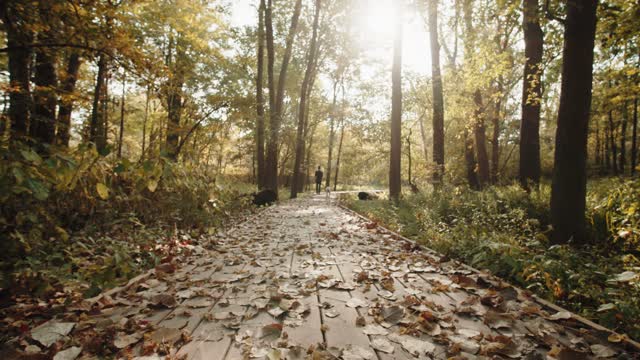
(332, 133)
(395, 158)
(423, 136)
(106, 101)
(174, 101)
(122, 111)
(96, 125)
(43, 122)
(597, 158)
(144, 122)
(569, 185)
(308, 160)
(271, 164)
(409, 160)
(529, 168)
(306, 135)
(438, 101)
(607, 148)
(480, 136)
(259, 100)
(300, 140)
(470, 161)
(623, 137)
(65, 105)
(335, 178)
(19, 56)
(495, 141)
(612, 143)
(634, 138)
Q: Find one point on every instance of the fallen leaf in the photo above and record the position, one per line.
(271, 332)
(331, 314)
(392, 314)
(414, 346)
(276, 312)
(496, 320)
(560, 315)
(356, 302)
(354, 352)
(164, 300)
(616, 338)
(382, 344)
(165, 335)
(68, 354)
(465, 344)
(51, 331)
(373, 329)
(626, 276)
(123, 340)
(602, 351)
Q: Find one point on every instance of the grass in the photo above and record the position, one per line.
(505, 230)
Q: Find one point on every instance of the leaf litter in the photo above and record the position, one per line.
(419, 302)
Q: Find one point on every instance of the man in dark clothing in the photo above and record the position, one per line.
(319, 175)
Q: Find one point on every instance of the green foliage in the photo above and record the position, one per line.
(504, 230)
(91, 219)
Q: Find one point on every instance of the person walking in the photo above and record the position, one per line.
(319, 175)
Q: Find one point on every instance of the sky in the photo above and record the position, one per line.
(374, 25)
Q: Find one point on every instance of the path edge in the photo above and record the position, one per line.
(546, 304)
(147, 274)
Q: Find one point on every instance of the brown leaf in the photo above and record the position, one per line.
(167, 268)
(164, 300)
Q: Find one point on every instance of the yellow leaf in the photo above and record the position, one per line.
(103, 191)
(152, 185)
(62, 233)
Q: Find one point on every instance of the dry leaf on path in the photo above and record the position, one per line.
(51, 331)
(68, 354)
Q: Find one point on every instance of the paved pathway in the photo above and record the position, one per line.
(306, 279)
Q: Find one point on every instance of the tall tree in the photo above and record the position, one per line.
(623, 137)
(122, 112)
(19, 36)
(481, 165)
(495, 138)
(569, 185)
(271, 164)
(634, 137)
(480, 137)
(332, 130)
(395, 158)
(259, 99)
(529, 168)
(438, 101)
(65, 104)
(306, 82)
(335, 177)
(470, 160)
(612, 143)
(174, 93)
(96, 124)
(43, 122)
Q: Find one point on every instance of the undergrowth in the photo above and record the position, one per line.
(505, 230)
(80, 221)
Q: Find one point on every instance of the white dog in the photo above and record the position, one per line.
(328, 194)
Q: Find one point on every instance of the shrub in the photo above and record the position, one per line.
(88, 218)
(504, 230)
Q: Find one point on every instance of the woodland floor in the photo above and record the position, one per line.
(307, 279)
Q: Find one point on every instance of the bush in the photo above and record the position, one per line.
(89, 219)
(504, 230)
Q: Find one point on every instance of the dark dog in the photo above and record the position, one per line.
(362, 195)
(264, 197)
